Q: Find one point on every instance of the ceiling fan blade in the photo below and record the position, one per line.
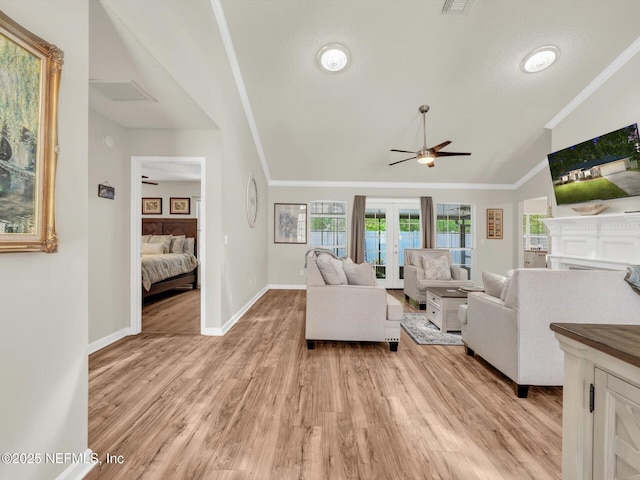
(442, 145)
(400, 161)
(149, 183)
(449, 154)
(402, 151)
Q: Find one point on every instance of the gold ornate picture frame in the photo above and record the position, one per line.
(29, 83)
(494, 223)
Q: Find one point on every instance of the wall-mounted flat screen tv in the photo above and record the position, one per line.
(603, 168)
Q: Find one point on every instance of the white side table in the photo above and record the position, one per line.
(442, 307)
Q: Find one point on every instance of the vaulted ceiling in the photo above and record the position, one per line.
(317, 126)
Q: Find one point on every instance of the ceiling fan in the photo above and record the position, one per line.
(147, 181)
(426, 156)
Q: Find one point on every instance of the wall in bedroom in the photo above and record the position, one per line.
(108, 230)
(614, 105)
(43, 345)
(286, 261)
(166, 190)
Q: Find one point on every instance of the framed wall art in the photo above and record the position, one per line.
(29, 83)
(106, 191)
(290, 223)
(152, 206)
(179, 206)
(494, 223)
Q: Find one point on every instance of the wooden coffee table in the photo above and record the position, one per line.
(442, 307)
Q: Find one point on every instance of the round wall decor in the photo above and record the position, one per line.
(252, 201)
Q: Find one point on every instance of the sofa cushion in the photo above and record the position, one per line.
(493, 283)
(436, 268)
(331, 270)
(359, 274)
(505, 288)
(395, 311)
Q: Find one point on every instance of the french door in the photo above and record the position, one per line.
(391, 226)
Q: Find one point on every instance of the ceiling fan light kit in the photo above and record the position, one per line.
(426, 156)
(333, 57)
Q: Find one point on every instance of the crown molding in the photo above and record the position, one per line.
(596, 83)
(432, 186)
(242, 90)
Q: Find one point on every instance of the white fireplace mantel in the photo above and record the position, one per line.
(610, 242)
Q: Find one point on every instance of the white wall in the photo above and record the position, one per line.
(205, 74)
(286, 261)
(43, 345)
(166, 190)
(108, 230)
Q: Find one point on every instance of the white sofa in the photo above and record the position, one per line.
(416, 280)
(513, 334)
(354, 313)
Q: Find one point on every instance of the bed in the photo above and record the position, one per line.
(163, 272)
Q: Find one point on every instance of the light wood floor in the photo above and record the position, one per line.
(175, 311)
(257, 404)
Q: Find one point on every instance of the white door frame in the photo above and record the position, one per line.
(136, 232)
(393, 241)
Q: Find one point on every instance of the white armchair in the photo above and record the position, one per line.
(417, 280)
(352, 313)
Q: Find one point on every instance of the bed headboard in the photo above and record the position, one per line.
(170, 226)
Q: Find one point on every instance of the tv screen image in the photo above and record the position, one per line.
(603, 168)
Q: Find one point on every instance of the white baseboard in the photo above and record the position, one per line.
(218, 332)
(77, 471)
(287, 287)
(108, 340)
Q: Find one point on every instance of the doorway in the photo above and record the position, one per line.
(137, 165)
(391, 226)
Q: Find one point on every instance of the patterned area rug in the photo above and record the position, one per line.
(423, 332)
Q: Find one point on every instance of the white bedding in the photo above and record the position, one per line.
(156, 268)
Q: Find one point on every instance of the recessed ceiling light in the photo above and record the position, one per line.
(540, 59)
(333, 57)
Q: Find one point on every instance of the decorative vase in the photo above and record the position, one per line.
(633, 277)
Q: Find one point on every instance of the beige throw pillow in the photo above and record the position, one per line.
(163, 239)
(493, 283)
(436, 268)
(189, 246)
(177, 244)
(331, 270)
(152, 248)
(359, 274)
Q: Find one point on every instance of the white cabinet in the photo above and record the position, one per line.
(601, 401)
(535, 259)
(616, 428)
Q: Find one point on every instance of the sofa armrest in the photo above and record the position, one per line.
(346, 312)
(459, 273)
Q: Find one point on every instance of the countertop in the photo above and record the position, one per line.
(619, 341)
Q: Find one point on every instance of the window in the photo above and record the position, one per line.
(329, 226)
(454, 232)
(535, 232)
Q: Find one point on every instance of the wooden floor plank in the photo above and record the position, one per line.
(257, 404)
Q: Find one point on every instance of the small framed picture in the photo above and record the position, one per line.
(179, 206)
(106, 191)
(152, 206)
(290, 223)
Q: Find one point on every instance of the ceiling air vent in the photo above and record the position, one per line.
(122, 91)
(457, 7)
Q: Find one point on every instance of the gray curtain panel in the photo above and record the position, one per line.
(428, 222)
(357, 228)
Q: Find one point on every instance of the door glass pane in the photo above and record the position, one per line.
(454, 232)
(409, 234)
(375, 250)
